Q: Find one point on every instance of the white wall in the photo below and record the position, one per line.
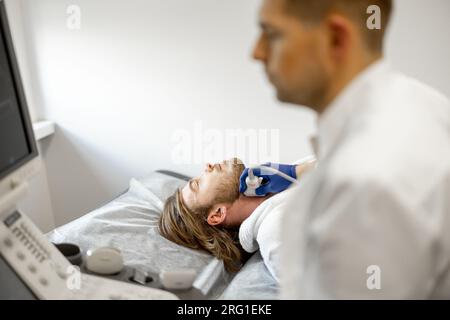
(139, 70)
(418, 42)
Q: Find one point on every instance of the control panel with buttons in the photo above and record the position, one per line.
(49, 275)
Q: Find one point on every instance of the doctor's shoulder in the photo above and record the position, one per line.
(414, 95)
(388, 156)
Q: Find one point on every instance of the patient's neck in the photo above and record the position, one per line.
(242, 208)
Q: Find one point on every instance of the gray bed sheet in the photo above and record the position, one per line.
(252, 282)
(129, 223)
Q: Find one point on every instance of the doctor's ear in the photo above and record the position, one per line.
(341, 33)
(217, 215)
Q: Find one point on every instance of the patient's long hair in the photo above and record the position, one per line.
(190, 228)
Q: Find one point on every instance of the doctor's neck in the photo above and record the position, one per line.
(344, 75)
(242, 208)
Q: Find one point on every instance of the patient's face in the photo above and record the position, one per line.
(219, 183)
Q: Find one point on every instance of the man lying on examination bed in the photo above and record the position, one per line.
(209, 213)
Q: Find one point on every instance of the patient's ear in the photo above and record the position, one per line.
(217, 215)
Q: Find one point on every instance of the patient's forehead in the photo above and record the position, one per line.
(189, 197)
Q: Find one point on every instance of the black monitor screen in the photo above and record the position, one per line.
(15, 144)
(12, 287)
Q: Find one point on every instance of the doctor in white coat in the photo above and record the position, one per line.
(373, 220)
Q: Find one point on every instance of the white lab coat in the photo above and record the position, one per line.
(379, 200)
(262, 230)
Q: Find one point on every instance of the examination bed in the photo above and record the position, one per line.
(129, 223)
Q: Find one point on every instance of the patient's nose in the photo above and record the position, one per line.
(209, 167)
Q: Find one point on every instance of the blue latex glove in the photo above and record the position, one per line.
(272, 183)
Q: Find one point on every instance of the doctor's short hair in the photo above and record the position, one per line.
(189, 227)
(313, 11)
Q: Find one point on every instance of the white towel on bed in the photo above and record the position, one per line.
(262, 230)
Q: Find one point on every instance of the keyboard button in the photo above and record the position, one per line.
(20, 256)
(43, 281)
(8, 242)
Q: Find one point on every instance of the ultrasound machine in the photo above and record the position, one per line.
(30, 266)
